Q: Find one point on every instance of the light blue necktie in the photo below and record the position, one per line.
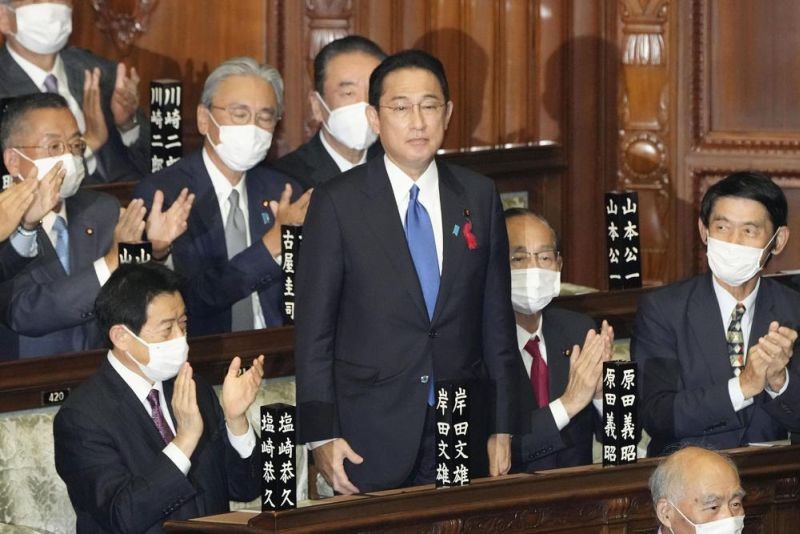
(62, 241)
(419, 234)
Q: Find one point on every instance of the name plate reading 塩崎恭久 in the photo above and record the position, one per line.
(621, 431)
(279, 464)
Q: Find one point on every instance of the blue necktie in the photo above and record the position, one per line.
(62, 242)
(419, 234)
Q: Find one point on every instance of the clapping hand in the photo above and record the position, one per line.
(125, 100)
(165, 226)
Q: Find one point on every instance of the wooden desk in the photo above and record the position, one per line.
(583, 499)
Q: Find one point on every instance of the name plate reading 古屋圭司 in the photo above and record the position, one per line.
(279, 464)
(166, 145)
(620, 413)
(291, 239)
(453, 456)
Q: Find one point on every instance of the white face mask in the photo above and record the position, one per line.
(43, 28)
(533, 289)
(734, 264)
(728, 525)
(241, 146)
(166, 358)
(73, 165)
(349, 125)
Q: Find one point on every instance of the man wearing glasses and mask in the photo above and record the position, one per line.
(102, 95)
(230, 254)
(50, 303)
(338, 102)
(717, 350)
(561, 364)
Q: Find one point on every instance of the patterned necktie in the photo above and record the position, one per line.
(158, 417)
(419, 234)
(735, 338)
(51, 84)
(236, 241)
(539, 379)
(62, 241)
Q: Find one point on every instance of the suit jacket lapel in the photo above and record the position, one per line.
(708, 330)
(83, 232)
(260, 215)
(205, 212)
(453, 202)
(322, 162)
(557, 365)
(763, 314)
(15, 81)
(381, 217)
(48, 259)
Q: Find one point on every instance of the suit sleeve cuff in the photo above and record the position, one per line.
(559, 414)
(130, 137)
(737, 396)
(598, 405)
(24, 243)
(102, 271)
(314, 444)
(177, 457)
(243, 444)
(773, 394)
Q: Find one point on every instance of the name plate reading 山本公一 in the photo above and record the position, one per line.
(52, 397)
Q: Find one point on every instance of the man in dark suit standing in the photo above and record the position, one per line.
(48, 306)
(338, 103)
(143, 440)
(717, 350)
(102, 95)
(230, 254)
(403, 281)
(560, 384)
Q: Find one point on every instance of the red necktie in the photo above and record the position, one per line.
(539, 382)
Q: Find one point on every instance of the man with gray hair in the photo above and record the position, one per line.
(696, 490)
(231, 250)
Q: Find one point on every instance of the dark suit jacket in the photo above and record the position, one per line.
(49, 312)
(108, 452)
(214, 283)
(365, 347)
(115, 161)
(679, 344)
(11, 262)
(539, 444)
(312, 165)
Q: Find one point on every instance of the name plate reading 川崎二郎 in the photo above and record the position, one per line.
(166, 146)
(279, 463)
(621, 431)
(453, 455)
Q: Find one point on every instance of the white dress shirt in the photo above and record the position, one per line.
(222, 188)
(243, 444)
(343, 163)
(100, 267)
(38, 75)
(726, 305)
(560, 415)
(428, 196)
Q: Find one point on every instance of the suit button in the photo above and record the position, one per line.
(433, 333)
(424, 379)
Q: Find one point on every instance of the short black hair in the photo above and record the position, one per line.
(407, 59)
(752, 185)
(345, 45)
(126, 295)
(16, 109)
(513, 213)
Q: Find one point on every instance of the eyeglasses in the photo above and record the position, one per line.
(544, 259)
(59, 148)
(265, 119)
(402, 111)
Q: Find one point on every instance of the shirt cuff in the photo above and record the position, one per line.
(737, 396)
(559, 413)
(279, 260)
(785, 385)
(311, 445)
(598, 405)
(180, 460)
(102, 271)
(131, 136)
(24, 243)
(243, 444)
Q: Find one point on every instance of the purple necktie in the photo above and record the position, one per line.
(158, 416)
(51, 84)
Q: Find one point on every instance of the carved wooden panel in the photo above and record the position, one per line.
(123, 20)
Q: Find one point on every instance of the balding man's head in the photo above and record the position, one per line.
(696, 486)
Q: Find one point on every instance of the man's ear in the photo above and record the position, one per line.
(202, 119)
(374, 119)
(448, 113)
(703, 231)
(120, 337)
(8, 20)
(664, 512)
(780, 240)
(317, 111)
(11, 159)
